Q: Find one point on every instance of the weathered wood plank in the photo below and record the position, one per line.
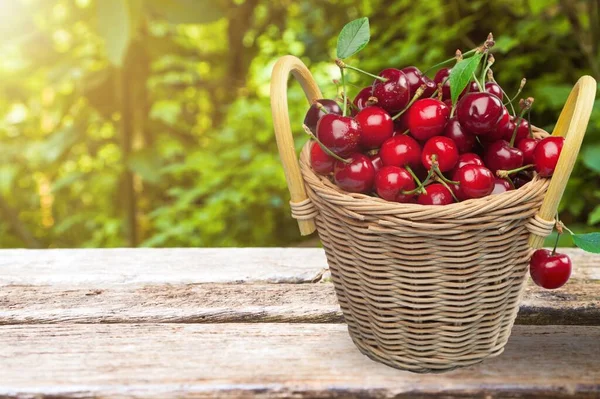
(104, 267)
(577, 304)
(275, 360)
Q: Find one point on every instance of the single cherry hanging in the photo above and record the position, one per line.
(550, 269)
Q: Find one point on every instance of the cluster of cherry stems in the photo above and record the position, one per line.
(405, 141)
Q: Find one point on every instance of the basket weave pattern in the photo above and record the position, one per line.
(426, 288)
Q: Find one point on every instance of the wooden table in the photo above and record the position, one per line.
(193, 323)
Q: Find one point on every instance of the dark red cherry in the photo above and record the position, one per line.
(376, 126)
(498, 132)
(475, 181)
(413, 76)
(479, 113)
(522, 130)
(315, 113)
(546, 154)
(321, 162)
(392, 181)
(495, 89)
(501, 186)
(468, 158)
(521, 179)
(501, 156)
(472, 87)
(550, 270)
(360, 101)
(430, 86)
(356, 176)
(401, 124)
(437, 194)
(401, 150)
(340, 134)
(394, 94)
(505, 129)
(527, 147)
(442, 77)
(445, 152)
(376, 161)
(464, 141)
(427, 117)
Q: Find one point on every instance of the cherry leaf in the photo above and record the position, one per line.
(354, 37)
(462, 73)
(588, 242)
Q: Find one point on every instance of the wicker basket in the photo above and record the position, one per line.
(426, 288)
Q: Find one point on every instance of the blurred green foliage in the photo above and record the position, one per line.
(147, 122)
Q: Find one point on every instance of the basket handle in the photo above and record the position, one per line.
(572, 124)
(283, 131)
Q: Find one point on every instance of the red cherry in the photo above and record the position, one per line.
(479, 113)
(427, 117)
(430, 86)
(437, 194)
(501, 186)
(376, 126)
(391, 181)
(321, 162)
(468, 158)
(464, 141)
(475, 181)
(442, 76)
(340, 134)
(499, 131)
(401, 124)
(527, 147)
(413, 76)
(376, 161)
(546, 154)
(394, 94)
(401, 150)
(550, 270)
(501, 156)
(360, 101)
(495, 89)
(522, 130)
(445, 151)
(356, 176)
(315, 113)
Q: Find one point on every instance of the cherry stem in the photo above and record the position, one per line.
(504, 173)
(514, 135)
(344, 91)
(509, 180)
(321, 107)
(491, 78)
(556, 242)
(447, 61)
(483, 69)
(523, 81)
(327, 150)
(439, 88)
(438, 172)
(416, 179)
(407, 131)
(529, 123)
(443, 183)
(343, 65)
(476, 81)
(418, 94)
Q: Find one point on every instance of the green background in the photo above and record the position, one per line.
(147, 122)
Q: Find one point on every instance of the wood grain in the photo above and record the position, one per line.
(273, 361)
(577, 304)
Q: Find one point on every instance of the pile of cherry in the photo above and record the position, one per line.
(401, 143)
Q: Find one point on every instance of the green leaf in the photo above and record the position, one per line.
(462, 73)
(591, 157)
(186, 11)
(114, 28)
(588, 242)
(354, 37)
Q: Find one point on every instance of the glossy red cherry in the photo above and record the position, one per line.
(394, 94)
(550, 270)
(445, 152)
(340, 134)
(392, 181)
(546, 154)
(479, 113)
(401, 150)
(414, 78)
(495, 89)
(527, 147)
(376, 126)
(498, 132)
(501, 156)
(356, 176)
(321, 162)
(463, 140)
(376, 161)
(360, 101)
(442, 77)
(475, 181)
(522, 130)
(427, 117)
(468, 158)
(501, 186)
(430, 86)
(315, 113)
(437, 194)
